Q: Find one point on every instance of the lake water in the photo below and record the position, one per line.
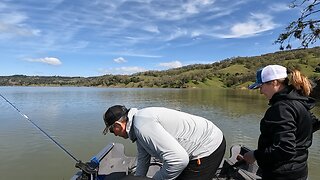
(73, 117)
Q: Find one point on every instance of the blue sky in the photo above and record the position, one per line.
(97, 37)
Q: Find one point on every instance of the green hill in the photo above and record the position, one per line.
(236, 72)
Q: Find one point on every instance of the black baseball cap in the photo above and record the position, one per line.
(112, 115)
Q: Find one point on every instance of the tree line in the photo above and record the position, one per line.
(235, 72)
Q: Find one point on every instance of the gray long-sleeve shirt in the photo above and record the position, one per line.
(172, 136)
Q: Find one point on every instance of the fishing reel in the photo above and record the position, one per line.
(89, 170)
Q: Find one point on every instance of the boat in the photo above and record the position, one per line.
(112, 163)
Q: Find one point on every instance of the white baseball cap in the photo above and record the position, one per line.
(269, 73)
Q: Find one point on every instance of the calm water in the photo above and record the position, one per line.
(73, 117)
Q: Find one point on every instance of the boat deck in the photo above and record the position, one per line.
(114, 164)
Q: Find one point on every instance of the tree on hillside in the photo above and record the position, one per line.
(306, 28)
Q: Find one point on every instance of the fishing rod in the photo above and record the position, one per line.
(89, 169)
(46, 134)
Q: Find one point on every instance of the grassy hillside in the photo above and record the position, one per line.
(234, 69)
(236, 72)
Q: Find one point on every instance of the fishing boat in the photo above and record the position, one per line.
(112, 163)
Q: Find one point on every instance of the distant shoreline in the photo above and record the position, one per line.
(315, 93)
(234, 73)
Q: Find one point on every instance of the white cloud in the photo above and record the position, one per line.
(13, 18)
(279, 7)
(12, 24)
(173, 64)
(47, 60)
(151, 28)
(62, 29)
(120, 60)
(195, 33)
(176, 33)
(195, 6)
(256, 24)
(139, 28)
(12, 31)
(134, 54)
(123, 70)
(176, 10)
(130, 70)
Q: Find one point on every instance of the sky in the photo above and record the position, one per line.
(96, 37)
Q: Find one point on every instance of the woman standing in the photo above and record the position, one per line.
(286, 128)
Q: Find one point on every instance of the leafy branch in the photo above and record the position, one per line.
(306, 28)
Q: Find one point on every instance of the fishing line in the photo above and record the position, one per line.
(25, 116)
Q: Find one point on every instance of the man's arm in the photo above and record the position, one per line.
(143, 161)
(160, 143)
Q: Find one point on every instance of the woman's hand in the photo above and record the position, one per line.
(248, 157)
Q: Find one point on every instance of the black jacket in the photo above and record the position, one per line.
(286, 135)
